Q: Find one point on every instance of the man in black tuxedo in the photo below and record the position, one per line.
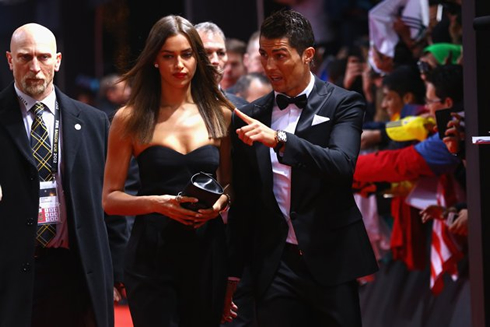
(56, 264)
(293, 219)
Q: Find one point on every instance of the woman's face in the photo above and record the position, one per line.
(176, 61)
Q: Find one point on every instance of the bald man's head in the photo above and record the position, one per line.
(33, 59)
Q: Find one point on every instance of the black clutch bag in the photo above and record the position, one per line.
(203, 187)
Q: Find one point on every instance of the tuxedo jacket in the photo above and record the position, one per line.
(84, 132)
(322, 154)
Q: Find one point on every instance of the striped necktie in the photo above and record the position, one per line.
(41, 150)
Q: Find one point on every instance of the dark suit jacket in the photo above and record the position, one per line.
(83, 152)
(236, 100)
(327, 222)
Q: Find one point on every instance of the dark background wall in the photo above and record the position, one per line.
(97, 37)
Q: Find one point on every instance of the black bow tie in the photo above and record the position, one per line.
(283, 101)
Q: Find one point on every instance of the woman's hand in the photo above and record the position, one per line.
(211, 213)
(169, 205)
(119, 292)
(230, 309)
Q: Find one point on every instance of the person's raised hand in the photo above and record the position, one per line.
(354, 69)
(433, 212)
(454, 134)
(460, 224)
(255, 131)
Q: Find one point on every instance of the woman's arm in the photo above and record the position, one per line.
(223, 175)
(224, 170)
(117, 202)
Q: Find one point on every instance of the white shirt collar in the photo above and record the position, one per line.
(28, 102)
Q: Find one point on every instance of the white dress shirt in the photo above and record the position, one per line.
(26, 104)
(285, 120)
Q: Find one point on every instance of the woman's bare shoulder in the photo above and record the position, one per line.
(121, 118)
(227, 113)
(122, 115)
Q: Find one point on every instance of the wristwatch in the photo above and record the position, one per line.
(281, 139)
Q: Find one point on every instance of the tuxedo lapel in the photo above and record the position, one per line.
(263, 113)
(316, 100)
(72, 127)
(11, 118)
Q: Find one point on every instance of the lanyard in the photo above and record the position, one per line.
(56, 138)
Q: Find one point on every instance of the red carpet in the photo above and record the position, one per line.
(122, 316)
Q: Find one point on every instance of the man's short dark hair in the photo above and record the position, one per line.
(291, 25)
(236, 46)
(448, 82)
(406, 79)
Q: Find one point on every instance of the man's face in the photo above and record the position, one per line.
(216, 50)
(257, 89)
(33, 61)
(234, 68)
(251, 59)
(287, 70)
(432, 101)
(120, 93)
(392, 103)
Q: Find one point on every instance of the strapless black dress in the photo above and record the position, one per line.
(175, 275)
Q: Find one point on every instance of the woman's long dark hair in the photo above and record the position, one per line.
(146, 86)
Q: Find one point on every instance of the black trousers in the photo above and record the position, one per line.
(60, 294)
(295, 299)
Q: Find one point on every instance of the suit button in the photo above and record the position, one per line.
(293, 215)
(30, 221)
(26, 267)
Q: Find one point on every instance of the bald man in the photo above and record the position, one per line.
(55, 261)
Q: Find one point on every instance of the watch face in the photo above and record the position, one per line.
(281, 136)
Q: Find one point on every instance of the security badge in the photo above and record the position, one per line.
(49, 206)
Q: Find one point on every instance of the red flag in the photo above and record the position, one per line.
(445, 249)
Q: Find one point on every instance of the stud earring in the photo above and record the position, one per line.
(156, 65)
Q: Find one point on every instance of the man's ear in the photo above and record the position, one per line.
(308, 55)
(448, 102)
(9, 59)
(58, 62)
(408, 98)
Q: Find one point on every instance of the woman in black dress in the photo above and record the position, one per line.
(175, 124)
